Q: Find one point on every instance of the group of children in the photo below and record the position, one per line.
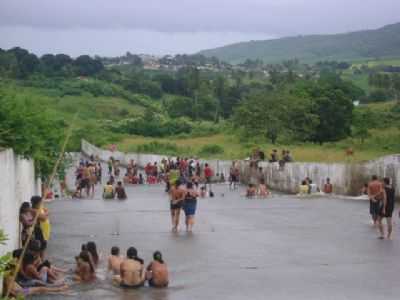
(36, 274)
(128, 272)
(260, 191)
(110, 192)
(88, 175)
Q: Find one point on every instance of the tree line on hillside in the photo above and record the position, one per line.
(19, 63)
(283, 105)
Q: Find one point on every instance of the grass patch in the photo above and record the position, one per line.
(382, 142)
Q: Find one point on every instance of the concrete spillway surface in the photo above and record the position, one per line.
(277, 248)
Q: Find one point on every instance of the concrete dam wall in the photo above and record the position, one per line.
(347, 178)
(17, 184)
(219, 166)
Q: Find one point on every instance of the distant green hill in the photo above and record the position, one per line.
(359, 45)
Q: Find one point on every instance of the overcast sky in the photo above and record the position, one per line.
(112, 27)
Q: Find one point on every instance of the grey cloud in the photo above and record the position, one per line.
(278, 17)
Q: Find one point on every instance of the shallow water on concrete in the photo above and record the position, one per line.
(282, 247)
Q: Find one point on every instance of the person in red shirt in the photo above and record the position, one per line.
(208, 174)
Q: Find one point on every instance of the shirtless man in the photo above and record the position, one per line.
(177, 195)
(377, 196)
(132, 271)
(114, 261)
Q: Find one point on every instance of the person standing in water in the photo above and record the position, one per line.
(388, 213)
(190, 205)
(177, 195)
(377, 196)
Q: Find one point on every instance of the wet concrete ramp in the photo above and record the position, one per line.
(277, 248)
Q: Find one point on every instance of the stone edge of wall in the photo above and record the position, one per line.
(18, 184)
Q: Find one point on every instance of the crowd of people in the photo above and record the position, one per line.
(127, 272)
(186, 180)
(36, 274)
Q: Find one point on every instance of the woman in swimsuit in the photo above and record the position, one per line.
(157, 271)
(84, 267)
(190, 205)
(132, 271)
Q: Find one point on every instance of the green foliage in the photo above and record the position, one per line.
(209, 150)
(4, 259)
(30, 131)
(359, 45)
(152, 125)
(163, 148)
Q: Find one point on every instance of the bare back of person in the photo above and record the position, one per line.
(375, 190)
(132, 273)
(84, 272)
(114, 264)
(159, 277)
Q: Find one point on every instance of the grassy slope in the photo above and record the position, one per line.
(369, 44)
(380, 143)
(233, 149)
(361, 80)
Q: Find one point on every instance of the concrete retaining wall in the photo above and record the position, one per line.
(347, 179)
(219, 166)
(17, 185)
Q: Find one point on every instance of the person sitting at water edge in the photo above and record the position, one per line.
(15, 290)
(85, 270)
(132, 273)
(92, 249)
(33, 271)
(157, 272)
(303, 188)
(114, 261)
(328, 188)
(120, 191)
(108, 192)
(251, 191)
(262, 189)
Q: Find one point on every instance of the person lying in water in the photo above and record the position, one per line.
(114, 261)
(15, 290)
(157, 272)
(132, 273)
(32, 270)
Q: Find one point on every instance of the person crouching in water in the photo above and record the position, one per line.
(189, 206)
(251, 191)
(262, 189)
(132, 271)
(108, 192)
(120, 191)
(157, 272)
